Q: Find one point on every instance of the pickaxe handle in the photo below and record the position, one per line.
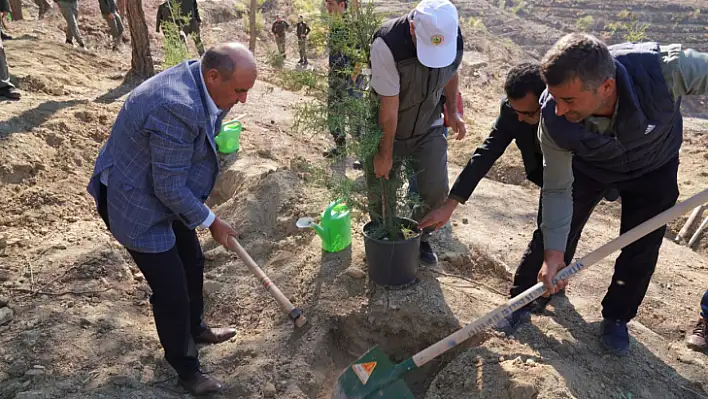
(295, 314)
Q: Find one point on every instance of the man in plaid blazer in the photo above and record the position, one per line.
(150, 182)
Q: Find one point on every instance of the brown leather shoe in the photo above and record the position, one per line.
(201, 384)
(215, 335)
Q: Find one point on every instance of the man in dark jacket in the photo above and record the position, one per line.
(517, 121)
(302, 30)
(278, 29)
(187, 20)
(610, 118)
(109, 10)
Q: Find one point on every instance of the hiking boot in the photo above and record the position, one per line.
(201, 384)
(427, 255)
(696, 339)
(5, 36)
(10, 93)
(357, 165)
(615, 336)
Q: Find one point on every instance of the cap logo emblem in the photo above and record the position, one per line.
(436, 39)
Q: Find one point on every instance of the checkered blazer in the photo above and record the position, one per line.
(162, 159)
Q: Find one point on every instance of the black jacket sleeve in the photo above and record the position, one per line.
(484, 156)
(160, 16)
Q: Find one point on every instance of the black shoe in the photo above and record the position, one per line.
(539, 305)
(427, 255)
(357, 165)
(10, 93)
(510, 323)
(5, 36)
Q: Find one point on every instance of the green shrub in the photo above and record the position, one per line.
(584, 23)
(174, 46)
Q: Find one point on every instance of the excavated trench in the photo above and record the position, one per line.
(404, 322)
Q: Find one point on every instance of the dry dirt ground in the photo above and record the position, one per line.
(75, 320)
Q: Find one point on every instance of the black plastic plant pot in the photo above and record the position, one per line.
(392, 263)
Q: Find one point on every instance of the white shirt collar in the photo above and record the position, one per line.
(211, 105)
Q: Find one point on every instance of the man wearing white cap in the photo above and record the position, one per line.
(414, 61)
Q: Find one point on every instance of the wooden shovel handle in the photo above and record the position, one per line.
(537, 290)
(284, 303)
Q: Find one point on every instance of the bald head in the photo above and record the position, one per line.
(229, 71)
(227, 57)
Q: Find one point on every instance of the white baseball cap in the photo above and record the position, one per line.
(435, 23)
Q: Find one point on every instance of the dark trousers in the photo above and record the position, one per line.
(193, 29)
(176, 278)
(704, 305)
(642, 198)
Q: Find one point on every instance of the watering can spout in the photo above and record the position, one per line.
(319, 230)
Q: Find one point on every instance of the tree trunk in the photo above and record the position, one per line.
(252, 25)
(141, 64)
(16, 9)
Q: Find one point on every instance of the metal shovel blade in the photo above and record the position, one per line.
(371, 377)
(305, 222)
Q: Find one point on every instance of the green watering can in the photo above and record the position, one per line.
(228, 139)
(335, 228)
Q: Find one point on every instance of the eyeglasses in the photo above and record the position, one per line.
(525, 113)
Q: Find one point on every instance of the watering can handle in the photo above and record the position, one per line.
(330, 208)
(537, 290)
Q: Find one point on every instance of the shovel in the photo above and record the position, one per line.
(294, 313)
(373, 375)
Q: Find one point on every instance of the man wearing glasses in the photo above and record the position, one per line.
(517, 121)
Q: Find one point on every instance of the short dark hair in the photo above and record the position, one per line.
(219, 60)
(578, 55)
(346, 3)
(522, 79)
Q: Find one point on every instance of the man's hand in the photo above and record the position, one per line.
(552, 264)
(382, 164)
(457, 125)
(438, 217)
(111, 16)
(221, 231)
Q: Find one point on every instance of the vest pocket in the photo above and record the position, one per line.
(414, 83)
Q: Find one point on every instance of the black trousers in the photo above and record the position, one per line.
(642, 198)
(176, 278)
